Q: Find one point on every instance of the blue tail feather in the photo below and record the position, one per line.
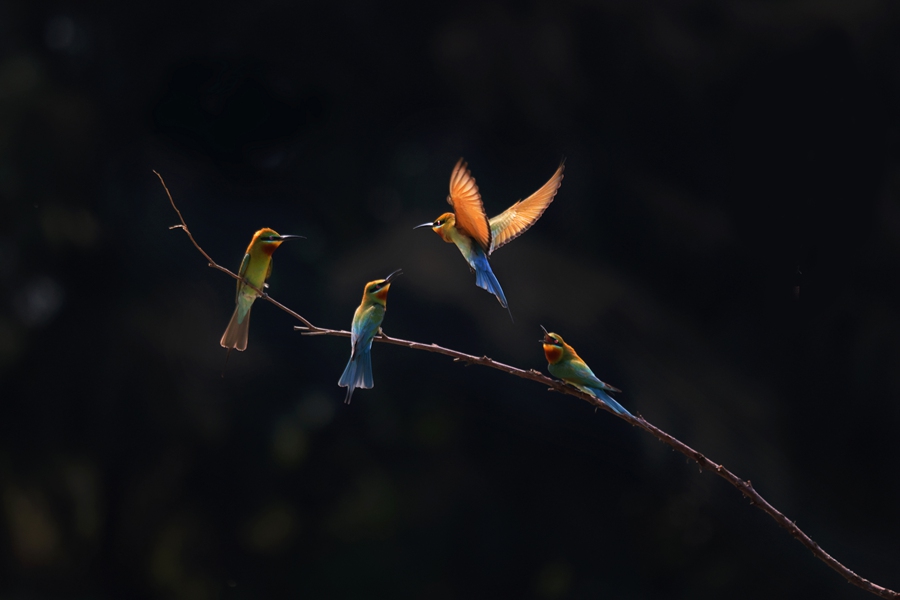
(485, 278)
(357, 373)
(608, 400)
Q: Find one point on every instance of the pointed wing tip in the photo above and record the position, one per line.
(560, 170)
(461, 166)
(460, 169)
(519, 217)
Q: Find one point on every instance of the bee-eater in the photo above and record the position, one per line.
(568, 366)
(476, 236)
(366, 324)
(255, 270)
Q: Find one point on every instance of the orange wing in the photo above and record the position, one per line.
(515, 220)
(466, 202)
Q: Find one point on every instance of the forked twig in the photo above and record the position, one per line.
(215, 265)
(745, 487)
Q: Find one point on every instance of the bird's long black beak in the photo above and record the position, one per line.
(547, 339)
(428, 224)
(288, 237)
(391, 277)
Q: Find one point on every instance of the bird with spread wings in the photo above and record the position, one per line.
(477, 236)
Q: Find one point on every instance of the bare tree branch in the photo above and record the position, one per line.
(744, 486)
(215, 265)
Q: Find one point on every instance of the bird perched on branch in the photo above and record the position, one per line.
(366, 325)
(476, 236)
(565, 363)
(255, 270)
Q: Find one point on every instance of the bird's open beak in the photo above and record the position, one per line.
(428, 224)
(547, 339)
(288, 237)
(391, 277)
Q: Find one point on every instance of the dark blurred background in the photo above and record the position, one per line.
(725, 248)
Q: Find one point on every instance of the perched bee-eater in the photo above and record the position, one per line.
(475, 235)
(568, 366)
(366, 325)
(255, 270)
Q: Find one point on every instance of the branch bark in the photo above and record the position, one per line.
(744, 486)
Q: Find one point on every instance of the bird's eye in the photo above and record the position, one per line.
(438, 223)
(273, 238)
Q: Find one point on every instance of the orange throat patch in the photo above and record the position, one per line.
(553, 353)
(382, 293)
(269, 248)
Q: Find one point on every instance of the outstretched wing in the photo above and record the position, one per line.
(466, 202)
(515, 220)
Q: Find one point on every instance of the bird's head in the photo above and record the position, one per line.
(441, 225)
(376, 291)
(267, 240)
(554, 346)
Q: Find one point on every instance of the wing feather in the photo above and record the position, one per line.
(245, 262)
(515, 220)
(467, 206)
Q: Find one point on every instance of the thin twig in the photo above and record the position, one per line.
(745, 487)
(215, 265)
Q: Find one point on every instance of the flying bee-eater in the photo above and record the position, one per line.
(366, 325)
(565, 363)
(255, 270)
(476, 236)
